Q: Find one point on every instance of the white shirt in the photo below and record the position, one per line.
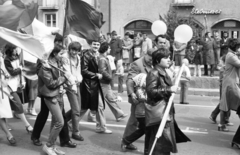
(146, 45)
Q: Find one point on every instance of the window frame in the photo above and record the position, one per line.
(50, 13)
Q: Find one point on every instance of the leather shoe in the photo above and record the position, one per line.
(37, 142)
(69, 144)
(77, 137)
(129, 147)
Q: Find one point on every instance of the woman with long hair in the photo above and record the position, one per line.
(16, 81)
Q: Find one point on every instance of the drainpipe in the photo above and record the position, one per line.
(110, 11)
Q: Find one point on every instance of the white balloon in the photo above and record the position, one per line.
(183, 33)
(159, 27)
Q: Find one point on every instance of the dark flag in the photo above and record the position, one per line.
(82, 20)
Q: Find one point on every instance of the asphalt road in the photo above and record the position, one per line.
(192, 119)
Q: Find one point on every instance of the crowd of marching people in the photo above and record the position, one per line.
(86, 77)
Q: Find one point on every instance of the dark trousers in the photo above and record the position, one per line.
(120, 83)
(137, 134)
(41, 120)
(206, 69)
(236, 137)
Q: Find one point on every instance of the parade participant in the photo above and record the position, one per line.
(161, 41)
(92, 95)
(44, 112)
(159, 88)
(12, 64)
(216, 111)
(72, 65)
(140, 85)
(5, 109)
(105, 70)
(50, 83)
(142, 65)
(230, 97)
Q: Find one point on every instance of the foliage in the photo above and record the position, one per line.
(173, 20)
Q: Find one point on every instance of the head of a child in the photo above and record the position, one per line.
(119, 63)
(74, 48)
(185, 61)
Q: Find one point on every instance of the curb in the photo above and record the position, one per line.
(191, 91)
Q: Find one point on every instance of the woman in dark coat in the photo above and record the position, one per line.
(159, 89)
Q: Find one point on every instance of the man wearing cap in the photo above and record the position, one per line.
(142, 65)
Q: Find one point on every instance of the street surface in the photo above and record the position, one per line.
(192, 119)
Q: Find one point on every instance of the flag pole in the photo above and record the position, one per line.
(169, 105)
(21, 76)
(65, 19)
(1, 79)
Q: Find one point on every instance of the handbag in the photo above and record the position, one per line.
(125, 54)
(137, 52)
(154, 114)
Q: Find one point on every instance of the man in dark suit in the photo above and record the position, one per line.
(142, 65)
(91, 92)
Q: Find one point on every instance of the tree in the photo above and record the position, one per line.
(173, 21)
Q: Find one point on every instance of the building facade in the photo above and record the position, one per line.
(138, 15)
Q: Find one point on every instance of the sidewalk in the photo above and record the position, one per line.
(191, 91)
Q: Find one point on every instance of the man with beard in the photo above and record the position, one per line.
(91, 92)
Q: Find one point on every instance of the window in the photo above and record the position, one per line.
(50, 19)
(139, 24)
(183, 1)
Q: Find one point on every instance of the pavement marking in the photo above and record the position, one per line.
(194, 130)
(187, 130)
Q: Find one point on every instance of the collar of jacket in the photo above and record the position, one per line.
(12, 58)
(103, 56)
(93, 53)
(113, 40)
(146, 66)
(54, 62)
(164, 74)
